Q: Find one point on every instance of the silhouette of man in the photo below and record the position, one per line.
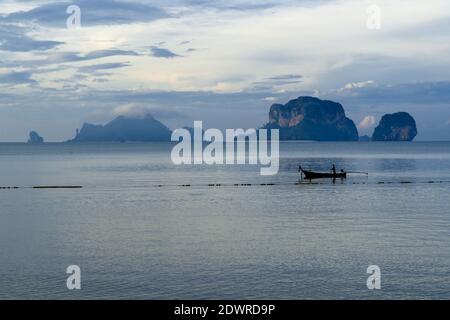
(333, 170)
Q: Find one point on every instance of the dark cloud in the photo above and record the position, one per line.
(277, 81)
(103, 66)
(15, 78)
(108, 53)
(65, 57)
(58, 59)
(162, 53)
(412, 93)
(93, 12)
(13, 38)
(288, 77)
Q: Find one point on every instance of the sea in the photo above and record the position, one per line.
(143, 228)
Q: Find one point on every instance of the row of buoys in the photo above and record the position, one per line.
(44, 187)
(217, 185)
(410, 182)
(57, 187)
(394, 182)
(227, 185)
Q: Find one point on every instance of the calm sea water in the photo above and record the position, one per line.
(135, 239)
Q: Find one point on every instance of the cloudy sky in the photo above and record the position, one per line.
(224, 62)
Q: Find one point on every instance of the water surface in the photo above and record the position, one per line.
(136, 233)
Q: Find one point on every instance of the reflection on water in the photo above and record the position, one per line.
(396, 165)
(136, 233)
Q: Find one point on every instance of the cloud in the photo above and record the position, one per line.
(243, 5)
(285, 77)
(139, 111)
(100, 80)
(275, 82)
(363, 84)
(58, 59)
(163, 53)
(413, 93)
(93, 12)
(103, 66)
(13, 38)
(366, 123)
(15, 78)
(131, 110)
(107, 53)
(66, 57)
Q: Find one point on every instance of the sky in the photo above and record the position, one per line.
(224, 62)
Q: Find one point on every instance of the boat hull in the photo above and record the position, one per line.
(309, 175)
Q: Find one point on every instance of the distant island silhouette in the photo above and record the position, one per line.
(122, 129)
(304, 118)
(309, 118)
(399, 126)
(35, 138)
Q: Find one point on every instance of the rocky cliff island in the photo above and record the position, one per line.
(122, 129)
(309, 118)
(399, 126)
(35, 138)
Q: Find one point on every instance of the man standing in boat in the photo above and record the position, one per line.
(333, 170)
